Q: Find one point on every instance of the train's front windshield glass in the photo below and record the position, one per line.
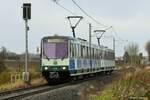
(55, 50)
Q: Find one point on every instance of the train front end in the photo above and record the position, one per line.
(54, 58)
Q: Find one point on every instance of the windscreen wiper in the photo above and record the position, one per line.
(63, 57)
(46, 56)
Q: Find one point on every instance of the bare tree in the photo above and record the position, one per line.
(126, 58)
(147, 47)
(2, 58)
(132, 49)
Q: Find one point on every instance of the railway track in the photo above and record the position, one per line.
(26, 92)
(21, 93)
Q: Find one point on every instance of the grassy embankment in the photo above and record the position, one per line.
(135, 85)
(5, 77)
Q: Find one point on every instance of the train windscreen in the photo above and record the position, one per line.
(55, 49)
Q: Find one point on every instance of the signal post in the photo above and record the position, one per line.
(26, 17)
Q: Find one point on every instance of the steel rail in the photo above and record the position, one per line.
(28, 92)
(2, 93)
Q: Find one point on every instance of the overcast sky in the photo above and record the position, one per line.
(130, 18)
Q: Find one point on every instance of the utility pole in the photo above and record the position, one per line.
(114, 45)
(90, 30)
(26, 17)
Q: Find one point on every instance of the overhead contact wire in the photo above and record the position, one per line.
(88, 14)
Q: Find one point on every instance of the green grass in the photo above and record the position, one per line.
(131, 85)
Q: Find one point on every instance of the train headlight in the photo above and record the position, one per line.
(64, 68)
(46, 68)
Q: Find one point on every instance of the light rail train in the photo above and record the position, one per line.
(64, 57)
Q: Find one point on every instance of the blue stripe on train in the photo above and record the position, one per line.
(72, 64)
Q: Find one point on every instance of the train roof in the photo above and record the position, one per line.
(80, 40)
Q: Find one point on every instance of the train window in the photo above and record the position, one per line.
(109, 55)
(84, 51)
(95, 56)
(103, 54)
(96, 53)
(72, 50)
(89, 53)
(81, 51)
(87, 48)
(75, 54)
(92, 53)
(78, 51)
(106, 55)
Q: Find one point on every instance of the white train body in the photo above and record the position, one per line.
(62, 54)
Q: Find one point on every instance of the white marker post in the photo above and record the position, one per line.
(26, 17)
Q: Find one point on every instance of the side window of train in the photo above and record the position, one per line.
(72, 50)
(79, 50)
(97, 57)
(95, 54)
(87, 52)
(106, 54)
(84, 52)
(92, 53)
(109, 55)
(100, 53)
(103, 54)
(75, 51)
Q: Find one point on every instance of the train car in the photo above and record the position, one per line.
(64, 57)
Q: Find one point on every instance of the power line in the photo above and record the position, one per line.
(64, 8)
(68, 10)
(76, 14)
(88, 14)
(111, 27)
